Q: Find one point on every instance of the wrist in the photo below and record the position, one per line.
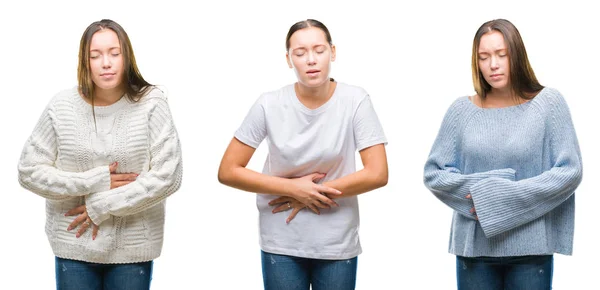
(287, 186)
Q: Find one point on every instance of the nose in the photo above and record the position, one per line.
(494, 63)
(311, 59)
(106, 62)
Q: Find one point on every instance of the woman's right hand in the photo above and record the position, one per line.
(120, 179)
(305, 190)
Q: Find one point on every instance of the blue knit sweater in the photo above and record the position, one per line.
(521, 165)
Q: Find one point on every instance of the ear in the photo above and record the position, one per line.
(332, 53)
(289, 61)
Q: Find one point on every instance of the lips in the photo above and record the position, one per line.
(313, 71)
(107, 74)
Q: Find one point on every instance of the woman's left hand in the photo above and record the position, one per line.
(473, 208)
(82, 219)
(285, 203)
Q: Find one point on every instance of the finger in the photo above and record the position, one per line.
(315, 176)
(78, 210)
(77, 221)
(318, 204)
(82, 228)
(322, 199)
(476, 218)
(279, 200)
(319, 178)
(314, 209)
(113, 167)
(327, 205)
(472, 210)
(329, 190)
(292, 215)
(468, 195)
(95, 231)
(283, 207)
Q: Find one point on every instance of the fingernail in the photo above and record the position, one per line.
(77, 236)
(94, 238)
(69, 228)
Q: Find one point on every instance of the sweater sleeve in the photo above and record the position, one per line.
(502, 204)
(161, 180)
(37, 166)
(442, 175)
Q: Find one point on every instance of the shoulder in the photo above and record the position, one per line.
(550, 101)
(351, 92)
(275, 98)
(550, 96)
(460, 106)
(70, 95)
(155, 95)
(278, 94)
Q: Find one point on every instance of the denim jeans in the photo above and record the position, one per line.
(79, 275)
(282, 272)
(504, 273)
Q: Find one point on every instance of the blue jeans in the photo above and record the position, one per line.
(282, 272)
(500, 273)
(79, 275)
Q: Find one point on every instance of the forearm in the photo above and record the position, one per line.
(249, 180)
(52, 183)
(358, 182)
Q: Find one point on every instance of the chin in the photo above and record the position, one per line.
(313, 83)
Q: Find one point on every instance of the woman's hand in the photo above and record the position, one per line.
(305, 190)
(82, 219)
(285, 203)
(120, 179)
(473, 208)
(116, 180)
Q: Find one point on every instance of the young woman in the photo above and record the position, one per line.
(313, 129)
(105, 155)
(507, 161)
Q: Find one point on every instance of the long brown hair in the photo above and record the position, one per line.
(135, 85)
(522, 78)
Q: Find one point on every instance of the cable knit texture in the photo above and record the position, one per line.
(521, 165)
(57, 163)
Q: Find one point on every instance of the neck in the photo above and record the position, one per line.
(500, 94)
(500, 98)
(107, 97)
(315, 95)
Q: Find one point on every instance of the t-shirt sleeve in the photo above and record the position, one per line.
(367, 128)
(254, 128)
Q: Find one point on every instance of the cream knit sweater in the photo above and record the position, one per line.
(57, 163)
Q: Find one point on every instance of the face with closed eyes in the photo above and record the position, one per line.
(493, 61)
(106, 60)
(310, 55)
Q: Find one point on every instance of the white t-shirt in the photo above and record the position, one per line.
(303, 141)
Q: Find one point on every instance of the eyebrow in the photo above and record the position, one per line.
(497, 50)
(108, 49)
(302, 47)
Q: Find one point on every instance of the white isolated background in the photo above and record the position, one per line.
(217, 57)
